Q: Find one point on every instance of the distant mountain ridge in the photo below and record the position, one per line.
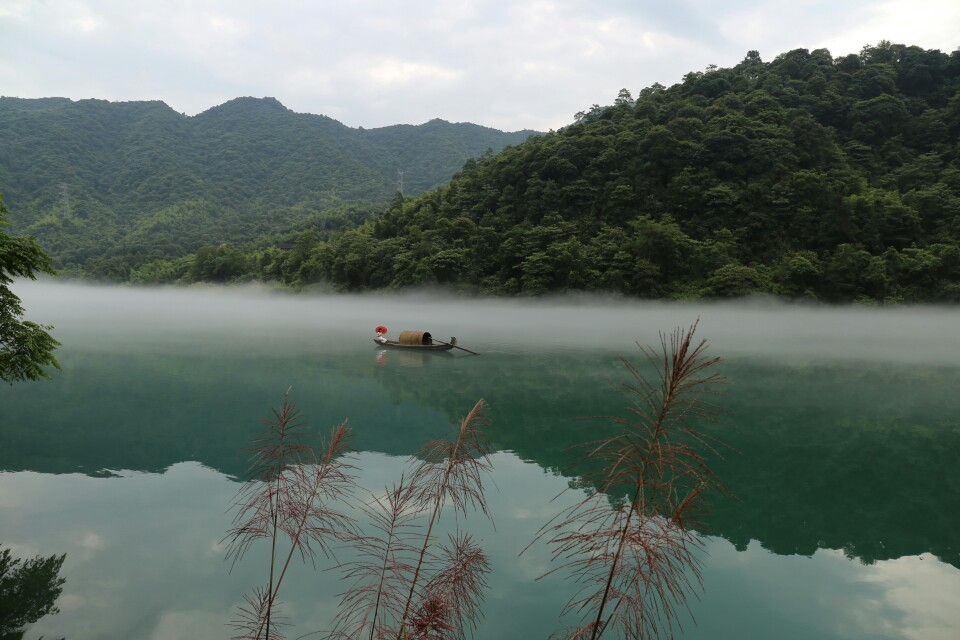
(809, 176)
(84, 176)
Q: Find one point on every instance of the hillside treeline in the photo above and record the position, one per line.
(108, 186)
(807, 176)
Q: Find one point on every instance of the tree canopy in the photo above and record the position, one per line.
(25, 347)
(106, 187)
(28, 591)
(806, 176)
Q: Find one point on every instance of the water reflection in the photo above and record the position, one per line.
(139, 546)
(144, 560)
(826, 595)
(29, 587)
(846, 433)
(409, 359)
(854, 457)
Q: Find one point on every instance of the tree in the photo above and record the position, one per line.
(25, 347)
(28, 590)
(624, 98)
(732, 280)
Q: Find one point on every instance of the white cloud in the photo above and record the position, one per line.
(931, 25)
(13, 9)
(87, 24)
(9, 498)
(186, 625)
(394, 72)
(505, 64)
(92, 541)
(842, 28)
(228, 26)
(925, 590)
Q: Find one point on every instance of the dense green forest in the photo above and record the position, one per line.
(808, 176)
(106, 187)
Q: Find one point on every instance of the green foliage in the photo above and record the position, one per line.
(28, 591)
(733, 280)
(110, 187)
(806, 176)
(218, 264)
(25, 347)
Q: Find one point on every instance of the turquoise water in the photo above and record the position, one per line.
(844, 426)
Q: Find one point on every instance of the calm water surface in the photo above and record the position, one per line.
(847, 433)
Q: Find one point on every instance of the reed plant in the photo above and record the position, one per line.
(628, 542)
(289, 502)
(405, 584)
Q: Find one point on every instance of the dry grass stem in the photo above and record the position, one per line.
(372, 605)
(250, 621)
(404, 584)
(289, 500)
(453, 595)
(628, 541)
(450, 471)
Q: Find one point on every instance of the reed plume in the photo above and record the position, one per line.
(259, 617)
(628, 541)
(288, 501)
(374, 601)
(405, 585)
(450, 471)
(451, 600)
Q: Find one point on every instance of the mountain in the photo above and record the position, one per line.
(807, 176)
(105, 186)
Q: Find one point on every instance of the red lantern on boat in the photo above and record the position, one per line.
(381, 329)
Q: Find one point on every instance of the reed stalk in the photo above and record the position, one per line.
(405, 585)
(450, 471)
(289, 497)
(379, 575)
(628, 541)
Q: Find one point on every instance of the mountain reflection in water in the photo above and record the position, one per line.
(844, 426)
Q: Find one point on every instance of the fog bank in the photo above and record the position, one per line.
(766, 328)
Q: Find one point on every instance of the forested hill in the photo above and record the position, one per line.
(814, 176)
(107, 186)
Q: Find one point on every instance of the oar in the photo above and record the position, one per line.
(456, 346)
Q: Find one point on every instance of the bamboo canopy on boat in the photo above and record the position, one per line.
(415, 337)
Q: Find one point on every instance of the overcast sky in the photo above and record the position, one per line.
(508, 64)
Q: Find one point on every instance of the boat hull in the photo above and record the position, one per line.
(392, 344)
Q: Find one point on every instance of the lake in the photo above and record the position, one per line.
(843, 423)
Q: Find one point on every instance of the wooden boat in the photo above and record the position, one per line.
(393, 344)
(417, 341)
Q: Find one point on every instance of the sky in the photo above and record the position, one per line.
(506, 64)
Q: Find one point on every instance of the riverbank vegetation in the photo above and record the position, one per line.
(807, 176)
(26, 348)
(106, 187)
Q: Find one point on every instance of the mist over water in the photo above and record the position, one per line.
(764, 328)
(844, 426)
